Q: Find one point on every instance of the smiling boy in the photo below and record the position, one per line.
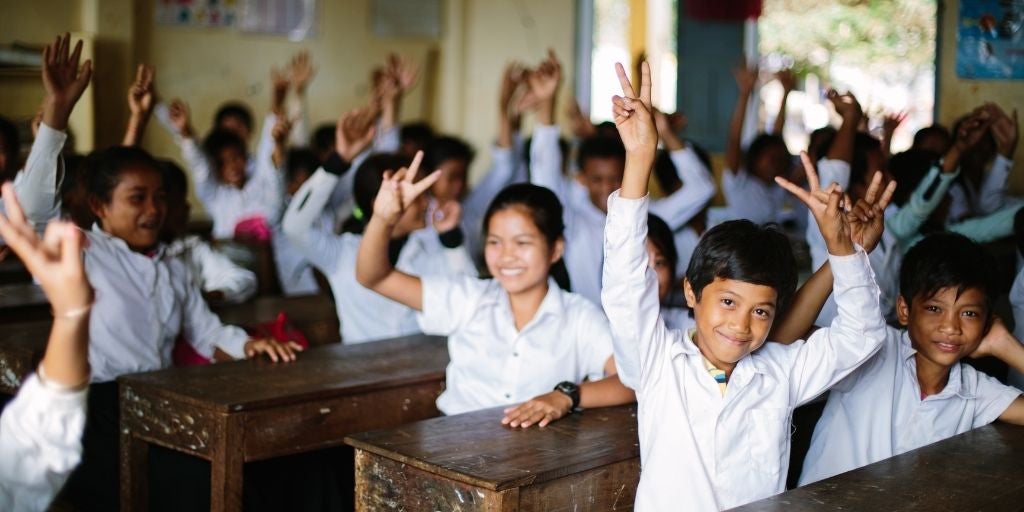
(915, 391)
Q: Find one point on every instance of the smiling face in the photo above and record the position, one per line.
(517, 253)
(136, 210)
(945, 328)
(232, 166)
(733, 319)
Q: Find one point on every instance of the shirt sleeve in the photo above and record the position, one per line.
(38, 185)
(629, 294)
(199, 166)
(448, 302)
(298, 109)
(220, 274)
(386, 141)
(993, 189)
(40, 443)
(698, 188)
(268, 181)
(993, 398)
(1017, 304)
(546, 160)
(906, 223)
(265, 145)
(300, 222)
(857, 332)
(989, 227)
(204, 329)
(829, 171)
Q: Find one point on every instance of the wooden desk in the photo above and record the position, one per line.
(314, 315)
(23, 302)
(21, 350)
(244, 411)
(977, 470)
(470, 462)
(13, 271)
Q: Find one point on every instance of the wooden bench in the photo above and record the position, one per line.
(470, 462)
(233, 413)
(978, 470)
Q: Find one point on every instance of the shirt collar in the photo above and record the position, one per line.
(551, 305)
(954, 384)
(745, 368)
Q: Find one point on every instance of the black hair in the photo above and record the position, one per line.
(935, 130)
(820, 142)
(73, 193)
(863, 144)
(323, 139)
(11, 143)
(176, 190)
(661, 236)
(744, 251)
(909, 168)
(665, 173)
(600, 147)
(366, 185)
(175, 180)
(947, 260)
(101, 172)
(233, 109)
(219, 140)
(763, 142)
(545, 211)
(446, 148)
(300, 160)
(419, 134)
(607, 129)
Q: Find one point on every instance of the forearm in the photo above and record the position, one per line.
(842, 145)
(66, 360)
(804, 309)
(780, 119)
(1011, 352)
(505, 130)
(135, 129)
(606, 392)
(372, 263)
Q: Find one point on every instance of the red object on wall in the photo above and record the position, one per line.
(723, 10)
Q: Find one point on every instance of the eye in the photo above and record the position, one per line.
(932, 309)
(763, 313)
(971, 314)
(728, 302)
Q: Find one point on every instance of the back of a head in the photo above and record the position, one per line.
(446, 148)
(600, 146)
(761, 143)
(300, 161)
(416, 135)
(175, 180)
(947, 260)
(234, 109)
(820, 142)
(909, 168)
(370, 175)
(935, 138)
(743, 251)
(323, 139)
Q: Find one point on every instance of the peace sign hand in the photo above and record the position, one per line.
(867, 217)
(826, 206)
(634, 116)
(398, 191)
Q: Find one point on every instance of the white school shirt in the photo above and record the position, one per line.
(40, 443)
(212, 271)
(686, 240)
(142, 304)
(364, 314)
(966, 201)
(38, 184)
(877, 412)
(699, 449)
(584, 222)
(261, 196)
(750, 198)
(294, 271)
(1017, 306)
(492, 364)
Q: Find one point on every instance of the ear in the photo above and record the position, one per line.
(902, 311)
(557, 251)
(98, 209)
(691, 298)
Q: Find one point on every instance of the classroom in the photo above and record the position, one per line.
(511, 255)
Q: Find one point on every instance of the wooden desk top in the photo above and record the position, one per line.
(978, 470)
(320, 372)
(476, 449)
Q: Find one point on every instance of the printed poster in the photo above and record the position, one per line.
(990, 39)
(197, 13)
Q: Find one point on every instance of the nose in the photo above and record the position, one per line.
(739, 322)
(950, 324)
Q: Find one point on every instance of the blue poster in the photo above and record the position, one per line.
(990, 39)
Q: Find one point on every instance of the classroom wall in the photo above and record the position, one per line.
(958, 96)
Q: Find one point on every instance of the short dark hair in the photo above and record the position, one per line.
(103, 169)
(219, 140)
(175, 180)
(370, 175)
(821, 141)
(744, 251)
(545, 211)
(600, 146)
(863, 144)
(947, 260)
(418, 133)
(661, 236)
(323, 138)
(446, 148)
(233, 109)
(763, 142)
(665, 173)
(300, 160)
(935, 130)
(11, 144)
(909, 168)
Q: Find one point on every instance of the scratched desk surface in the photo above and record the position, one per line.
(978, 470)
(587, 461)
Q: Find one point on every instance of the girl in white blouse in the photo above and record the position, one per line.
(510, 337)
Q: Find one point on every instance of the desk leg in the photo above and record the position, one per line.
(227, 465)
(134, 472)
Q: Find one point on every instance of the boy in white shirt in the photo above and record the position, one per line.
(714, 416)
(915, 391)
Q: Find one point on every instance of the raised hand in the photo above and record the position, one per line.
(972, 130)
(826, 207)
(634, 115)
(447, 216)
(181, 117)
(544, 80)
(63, 80)
(787, 79)
(398, 190)
(403, 71)
(579, 122)
(892, 121)
(746, 77)
(355, 131)
(141, 93)
(302, 71)
(1005, 130)
(846, 105)
(511, 79)
(867, 217)
(282, 128)
(279, 82)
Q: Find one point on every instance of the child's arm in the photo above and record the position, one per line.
(1000, 343)
(1005, 131)
(545, 153)
(373, 269)
(195, 161)
(140, 103)
(787, 78)
(38, 186)
(219, 274)
(554, 405)
(889, 124)
(399, 78)
(746, 79)
(698, 184)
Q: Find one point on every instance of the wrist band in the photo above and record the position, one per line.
(74, 313)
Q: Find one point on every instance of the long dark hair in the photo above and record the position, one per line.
(545, 211)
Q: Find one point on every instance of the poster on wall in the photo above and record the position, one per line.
(990, 39)
(293, 18)
(197, 13)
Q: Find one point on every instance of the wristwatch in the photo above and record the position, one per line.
(570, 390)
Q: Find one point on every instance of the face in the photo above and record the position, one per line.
(232, 170)
(662, 269)
(136, 209)
(733, 319)
(601, 177)
(944, 328)
(236, 125)
(451, 186)
(517, 253)
(773, 161)
(934, 142)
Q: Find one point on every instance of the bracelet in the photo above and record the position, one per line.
(74, 313)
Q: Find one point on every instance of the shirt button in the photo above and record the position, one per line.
(515, 354)
(508, 395)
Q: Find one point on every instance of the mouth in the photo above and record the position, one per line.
(511, 272)
(733, 340)
(950, 348)
(150, 225)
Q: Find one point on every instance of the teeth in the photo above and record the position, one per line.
(511, 272)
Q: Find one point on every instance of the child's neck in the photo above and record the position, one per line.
(526, 303)
(704, 351)
(932, 378)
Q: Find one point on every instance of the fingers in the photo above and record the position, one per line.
(795, 189)
(873, 187)
(645, 83)
(834, 197)
(71, 246)
(886, 198)
(75, 56)
(422, 186)
(811, 171)
(627, 88)
(414, 167)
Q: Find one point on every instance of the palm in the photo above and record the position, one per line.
(62, 78)
(634, 115)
